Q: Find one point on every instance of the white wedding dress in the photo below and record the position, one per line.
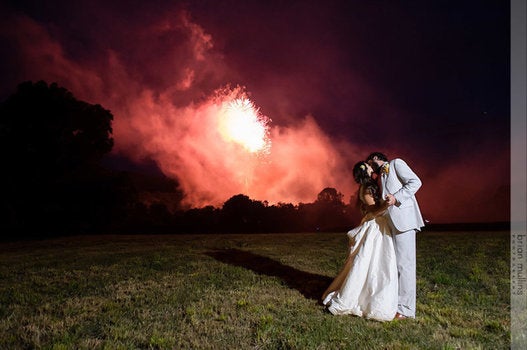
(367, 285)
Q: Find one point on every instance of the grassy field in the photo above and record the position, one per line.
(257, 291)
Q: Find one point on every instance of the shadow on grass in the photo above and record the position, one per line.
(309, 284)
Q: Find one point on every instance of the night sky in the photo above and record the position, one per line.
(425, 81)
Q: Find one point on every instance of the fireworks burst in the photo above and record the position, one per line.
(241, 122)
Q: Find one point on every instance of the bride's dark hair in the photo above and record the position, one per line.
(361, 176)
(360, 173)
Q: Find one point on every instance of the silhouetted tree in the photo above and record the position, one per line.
(328, 212)
(241, 214)
(51, 145)
(283, 217)
(199, 220)
(331, 196)
(161, 218)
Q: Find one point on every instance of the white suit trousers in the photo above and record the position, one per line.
(404, 243)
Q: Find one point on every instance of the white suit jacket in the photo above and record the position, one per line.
(403, 183)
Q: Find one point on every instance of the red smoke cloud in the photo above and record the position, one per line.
(187, 145)
(184, 139)
(166, 92)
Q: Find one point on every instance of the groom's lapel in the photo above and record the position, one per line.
(384, 177)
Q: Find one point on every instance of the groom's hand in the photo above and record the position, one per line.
(390, 199)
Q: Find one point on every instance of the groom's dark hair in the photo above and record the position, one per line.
(379, 156)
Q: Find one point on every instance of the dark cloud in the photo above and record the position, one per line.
(417, 80)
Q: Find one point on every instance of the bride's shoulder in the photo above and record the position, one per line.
(367, 188)
(364, 190)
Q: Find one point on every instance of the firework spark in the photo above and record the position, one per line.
(241, 122)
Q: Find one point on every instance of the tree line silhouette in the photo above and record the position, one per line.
(55, 180)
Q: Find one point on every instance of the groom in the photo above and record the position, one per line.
(398, 185)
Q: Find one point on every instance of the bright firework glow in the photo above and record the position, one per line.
(241, 122)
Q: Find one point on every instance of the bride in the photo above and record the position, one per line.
(367, 284)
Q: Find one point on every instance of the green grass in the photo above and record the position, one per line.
(241, 292)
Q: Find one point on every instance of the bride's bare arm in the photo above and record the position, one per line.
(370, 206)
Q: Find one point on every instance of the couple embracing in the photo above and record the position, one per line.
(378, 280)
